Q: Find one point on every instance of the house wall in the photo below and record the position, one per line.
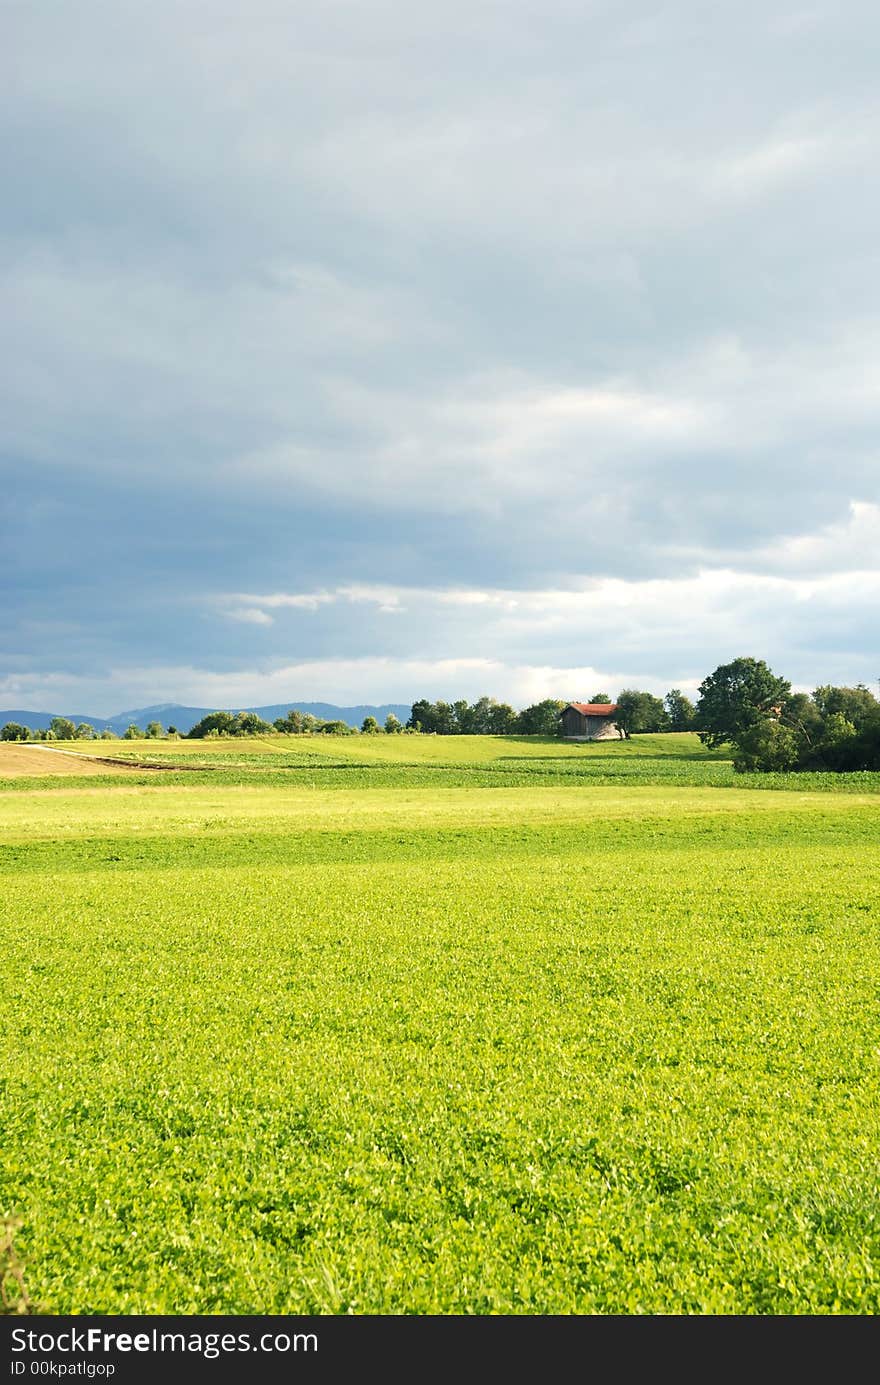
(601, 729)
(573, 724)
(577, 727)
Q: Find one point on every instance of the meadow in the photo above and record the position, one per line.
(440, 1025)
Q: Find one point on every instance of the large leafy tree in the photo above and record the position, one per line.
(858, 705)
(639, 711)
(541, 719)
(225, 724)
(13, 731)
(437, 717)
(219, 722)
(502, 719)
(421, 716)
(291, 725)
(445, 723)
(62, 729)
(462, 717)
(737, 696)
(249, 724)
(477, 719)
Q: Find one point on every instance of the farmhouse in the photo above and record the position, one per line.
(589, 721)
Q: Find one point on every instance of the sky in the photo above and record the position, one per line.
(367, 350)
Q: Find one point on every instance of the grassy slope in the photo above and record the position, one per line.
(552, 1048)
(445, 762)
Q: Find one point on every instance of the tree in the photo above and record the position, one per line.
(864, 751)
(437, 718)
(392, 725)
(248, 724)
(154, 730)
(173, 731)
(856, 704)
(680, 710)
(12, 731)
(85, 732)
(291, 725)
(479, 716)
(600, 697)
(421, 716)
(461, 716)
(214, 721)
(502, 719)
(370, 726)
(839, 738)
(108, 735)
(444, 719)
(540, 719)
(735, 697)
(639, 711)
(801, 715)
(132, 733)
(62, 729)
(766, 745)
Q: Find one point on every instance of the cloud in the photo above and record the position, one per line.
(352, 681)
(249, 615)
(515, 644)
(241, 606)
(771, 165)
(570, 350)
(852, 545)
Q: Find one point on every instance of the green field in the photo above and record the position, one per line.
(441, 1025)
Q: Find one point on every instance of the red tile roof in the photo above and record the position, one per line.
(595, 709)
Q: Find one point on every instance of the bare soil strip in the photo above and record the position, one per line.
(78, 762)
(25, 761)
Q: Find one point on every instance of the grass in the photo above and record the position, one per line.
(300, 1044)
(356, 762)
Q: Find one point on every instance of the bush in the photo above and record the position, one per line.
(766, 746)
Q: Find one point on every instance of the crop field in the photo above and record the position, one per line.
(418, 761)
(440, 1026)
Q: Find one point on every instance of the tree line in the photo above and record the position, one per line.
(210, 726)
(635, 711)
(743, 704)
(63, 729)
(746, 705)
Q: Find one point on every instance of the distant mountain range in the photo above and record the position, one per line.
(185, 718)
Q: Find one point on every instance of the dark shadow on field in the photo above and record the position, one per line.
(530, 740)
(554, 759)
(598, 759)
(313, 765)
